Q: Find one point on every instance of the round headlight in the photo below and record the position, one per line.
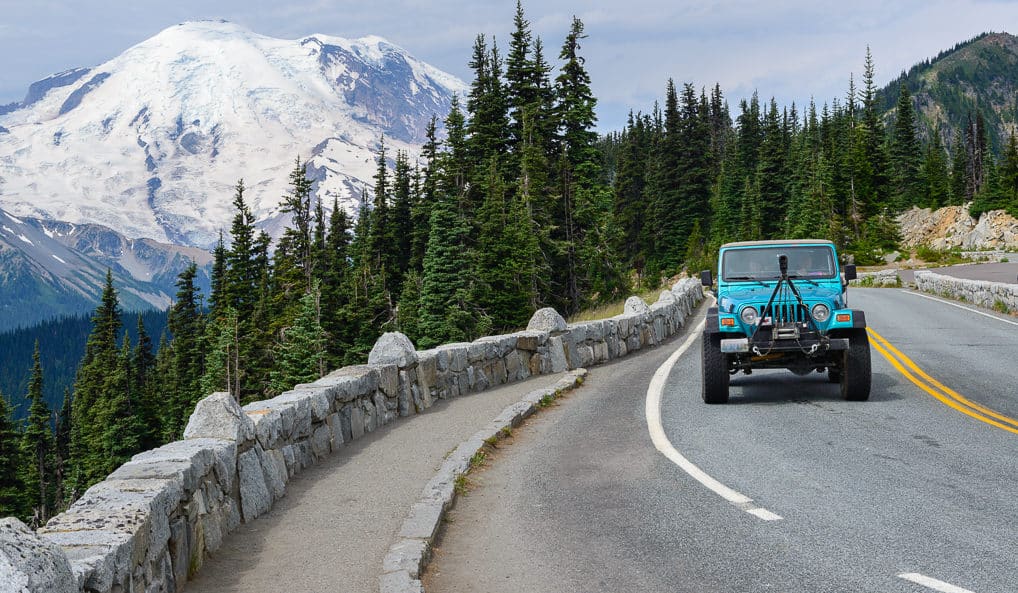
(748, 316)
(821, 312)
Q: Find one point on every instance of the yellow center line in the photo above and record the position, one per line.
(947, 396)
(938, 385)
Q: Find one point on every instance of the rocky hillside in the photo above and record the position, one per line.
(952, 227)
(981, 73)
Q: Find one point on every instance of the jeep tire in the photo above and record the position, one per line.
(855, 371)
(714, 365)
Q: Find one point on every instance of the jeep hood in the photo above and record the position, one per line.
(743, 294)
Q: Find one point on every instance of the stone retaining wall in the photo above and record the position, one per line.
(150, 525)
(992, 295)
(881, 279)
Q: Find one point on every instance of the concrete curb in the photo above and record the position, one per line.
(411, 551)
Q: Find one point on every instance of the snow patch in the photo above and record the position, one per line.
(26, 240)
(59, 260)
(14, 218)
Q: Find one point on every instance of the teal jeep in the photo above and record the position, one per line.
(784, 305)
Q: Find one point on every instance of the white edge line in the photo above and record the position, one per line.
(976, 311)
(662, 444)
(932, 583)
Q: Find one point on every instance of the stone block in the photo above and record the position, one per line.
(393, 348)
(407, 554)
(453, 357)
(268, 423)
(318, 402)
(350, 383)
(382, 409)
(531, 340)
(557, 354)
(356, 422)
(255, 498)
(274, 471)
(635, 306)
(388, 379)
(480, 352)
(219, 416)
(321, 441)
(427, 368)
(547, 320)
(30, 564)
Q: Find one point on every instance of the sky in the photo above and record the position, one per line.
(791, 50)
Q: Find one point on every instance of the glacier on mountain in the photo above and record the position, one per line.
(152, 142)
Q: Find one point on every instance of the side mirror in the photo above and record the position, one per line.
(706, 279)
(850, 272)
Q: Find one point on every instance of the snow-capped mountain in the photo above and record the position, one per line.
(50, 268)
(152, 142)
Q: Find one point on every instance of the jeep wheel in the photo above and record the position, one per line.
(855, 372)
(715, 371)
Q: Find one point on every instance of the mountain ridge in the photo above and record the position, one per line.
(152, 142)
(978, 74)
(50, 269)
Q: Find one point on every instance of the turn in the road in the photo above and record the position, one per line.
(903, 493)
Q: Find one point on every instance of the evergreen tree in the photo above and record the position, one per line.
(300, 356)
(335, 281)
(242, 275)
(62, 451)
(222, 360)
(12, 489)
(37, 447)
(408, 313)
(578, 169)
(772, 174)
(488, 126)
(401, 233)
(668, 210)
(294, 267)
(122, 433)
(905, 154)
(521, 82)
(1009, 175)
(217, 296)
(935, 175)
(961, 186)
(507, 250)
(92, 387)
(421, 207)
(145, 387)
(447, 311)
(187, 325)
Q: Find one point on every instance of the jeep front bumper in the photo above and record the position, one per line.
(806, 344)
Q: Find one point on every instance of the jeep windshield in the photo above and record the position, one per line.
(761, 263)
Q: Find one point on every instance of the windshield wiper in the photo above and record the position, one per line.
(797, 277)
(746, 278)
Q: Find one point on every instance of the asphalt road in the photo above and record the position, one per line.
(903, 493)
(997, 272)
